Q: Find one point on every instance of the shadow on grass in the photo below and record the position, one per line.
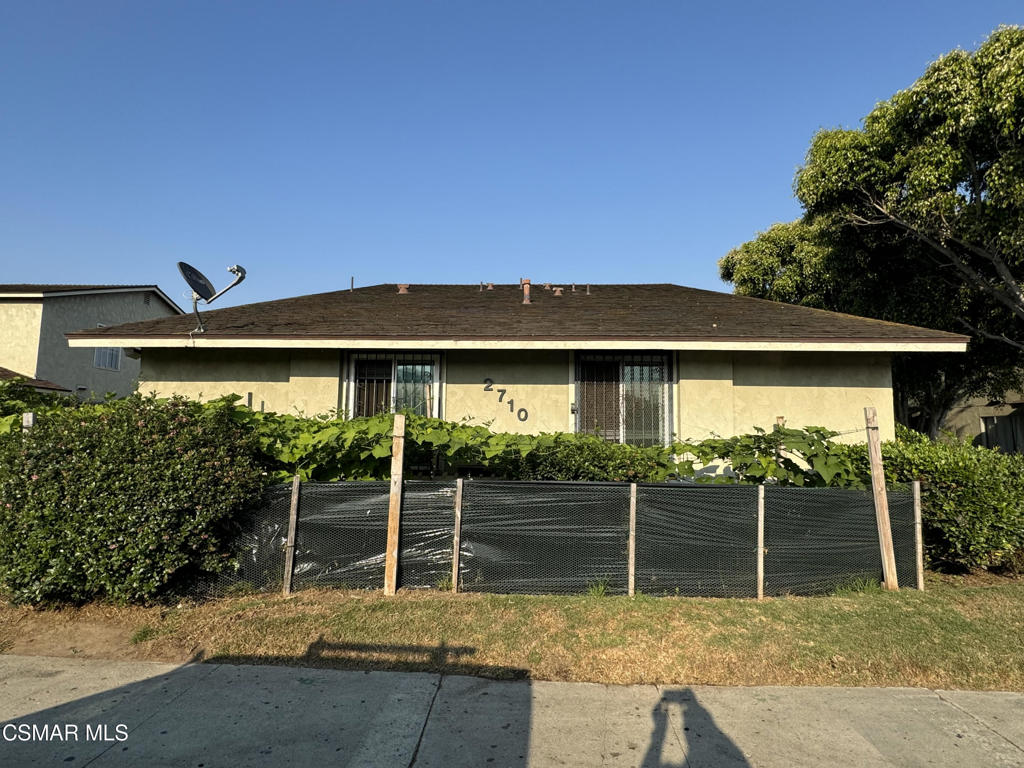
(441, 659)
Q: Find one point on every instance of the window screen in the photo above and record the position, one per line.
(108, 358)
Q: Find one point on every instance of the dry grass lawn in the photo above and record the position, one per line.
(951, 636)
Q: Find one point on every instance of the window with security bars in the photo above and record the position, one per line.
(382, 383)
(623, 398)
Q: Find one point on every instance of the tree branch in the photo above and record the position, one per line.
(993, 336)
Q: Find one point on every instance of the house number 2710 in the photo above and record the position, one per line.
(522, 414)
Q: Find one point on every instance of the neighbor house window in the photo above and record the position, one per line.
(382, 383)
(623, 398)
(107, 358)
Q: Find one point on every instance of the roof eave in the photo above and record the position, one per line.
(199, 341)
(87, 291)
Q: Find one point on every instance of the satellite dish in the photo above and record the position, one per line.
(197, 281)
(203, 288)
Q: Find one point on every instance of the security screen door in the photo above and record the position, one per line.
(623, 398)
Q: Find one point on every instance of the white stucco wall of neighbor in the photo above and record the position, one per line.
(20, 321)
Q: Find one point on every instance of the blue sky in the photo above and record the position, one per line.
(428, 141)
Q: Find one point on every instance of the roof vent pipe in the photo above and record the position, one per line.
(588, 289)
(526, 292)
(490, 286)
(547, 286)
(403, 287)
(574, 287)
(558, 291)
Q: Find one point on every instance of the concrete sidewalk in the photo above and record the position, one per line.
(213, 716)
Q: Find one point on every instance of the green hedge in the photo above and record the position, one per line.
(124, 500)
(972, 500)
(128, 500)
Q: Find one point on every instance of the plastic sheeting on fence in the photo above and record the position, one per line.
(696, 540)
(343, 532)
(544, 537)
(818, 539)
(572, 537)
(260, 536)
(425, 536)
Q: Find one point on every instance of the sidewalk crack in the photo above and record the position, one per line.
(977, 719)
(423, 730)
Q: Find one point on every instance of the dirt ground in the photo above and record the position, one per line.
(90, 632)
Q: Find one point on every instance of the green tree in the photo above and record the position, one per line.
(942, 162)
(902, 224)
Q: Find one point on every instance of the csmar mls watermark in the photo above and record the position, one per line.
(110, 732)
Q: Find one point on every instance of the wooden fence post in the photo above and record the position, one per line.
(28, 420)
(632, 539)
(395, 507)
(760, 542)
(918, 534)
(881, 500)
(457, 539)
(289, 547)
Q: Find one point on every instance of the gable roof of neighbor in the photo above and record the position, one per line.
(48, 290)
(8, 374)
(662, 316)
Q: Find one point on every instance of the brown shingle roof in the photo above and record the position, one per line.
(8, 374)
(654, 311)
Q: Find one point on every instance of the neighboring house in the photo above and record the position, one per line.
(634, 363)
(39, 385)
(35, 318)
(990, 424)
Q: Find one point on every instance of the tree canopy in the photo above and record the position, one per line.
(943, 162)
(917, 217)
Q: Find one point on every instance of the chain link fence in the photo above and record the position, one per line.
(696, 540)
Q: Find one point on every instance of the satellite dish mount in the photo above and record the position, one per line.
(203, 288)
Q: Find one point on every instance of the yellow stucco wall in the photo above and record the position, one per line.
(541, 382)
(73, 368)
(717, 393)
(20, 321)
(305, 381)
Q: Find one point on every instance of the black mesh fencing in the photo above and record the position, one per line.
(425, 534)
(544, 537)
(821, 539)
(904, 541)
(570, 538)
(260, 535)
(341, 535)
(696, 540)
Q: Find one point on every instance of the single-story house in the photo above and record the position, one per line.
(34, 318)
(634, 363)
